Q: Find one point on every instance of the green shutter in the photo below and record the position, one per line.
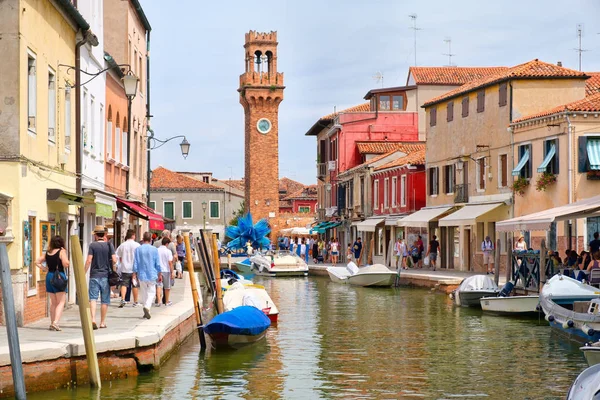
(168, 211)
(187, 209)
(214, 209)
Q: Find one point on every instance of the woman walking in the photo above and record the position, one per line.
(180, 248)
(56, 260)
(335, 250)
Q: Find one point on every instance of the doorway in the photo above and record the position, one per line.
(467, 249)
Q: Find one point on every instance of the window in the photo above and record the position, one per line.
(433, 181)
(481, 101)
(376, 194)
(125, 154)
(384, 103)
(449, 179)
(109, 141)
(394, 186)
(205, 179)
(304, 209)
(214, 209)
(523, 168)
(550, 163)
(386, 191)
(84, 120)
(140, 69)
(480, 166)
(51, 106)
(432, 116)
(135, 62)
(168, 210)
(31, 92)
(333, 149)
(465, 107)
(153, 205)
(398, 103)
(403, 191)
(450, 111)
(117, 155)
(502, 94)
(68, 118)
(92, 123)
(503, 170)
(99, 142)
(588, 154)
(186, 211)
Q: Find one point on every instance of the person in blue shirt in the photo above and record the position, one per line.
(146, 270)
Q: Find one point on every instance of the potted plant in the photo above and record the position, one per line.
(593, 175)
(520, 185)
(544, 180)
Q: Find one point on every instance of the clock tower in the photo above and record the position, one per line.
(261, 91)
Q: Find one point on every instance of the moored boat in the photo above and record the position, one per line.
(512, 305)
(376, 275)
(239, 327)
(587, 385)
(238, 295)
(280, 263)
(473, 288)
(591, 352)
(244, 266)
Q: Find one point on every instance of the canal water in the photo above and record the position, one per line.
(340, 341)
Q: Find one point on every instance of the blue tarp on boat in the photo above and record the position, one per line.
(243, 320)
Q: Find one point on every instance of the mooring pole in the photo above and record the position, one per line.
(10, 318)
(190, 267)
(217, 269)
(497, 262)
(85, 314)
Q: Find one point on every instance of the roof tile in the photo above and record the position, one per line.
(592, 85)
(163, 178)
(382, 147)
(451, 75)
(414, 158)
(359, 108)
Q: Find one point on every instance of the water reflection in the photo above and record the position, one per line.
(338, 341)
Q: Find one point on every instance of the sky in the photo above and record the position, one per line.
(330, 51)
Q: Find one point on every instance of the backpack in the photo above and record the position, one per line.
(414, 251)
(58, 281)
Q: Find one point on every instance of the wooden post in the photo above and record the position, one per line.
(509, 260)
(205, 254)
(228, 260)
(497, 262)
(84, 312)
(10, 318)
(217, 269)
(543, 255)
(371, 250)
(190, 267)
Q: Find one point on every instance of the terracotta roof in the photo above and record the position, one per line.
(534, 69)
(163, 178)
(359, 108)
(288, 186)
(382, 147)
(307, 192)
(415, 158)
(451, 75)
(592, 85)
(588, 104)
(234, 183)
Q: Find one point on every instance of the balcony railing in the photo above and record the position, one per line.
(461, 193)
(321, 170)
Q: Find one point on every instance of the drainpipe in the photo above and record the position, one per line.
(570, 180)
(78, 155)
(148, 116)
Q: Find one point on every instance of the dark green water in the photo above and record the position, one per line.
(338, 341)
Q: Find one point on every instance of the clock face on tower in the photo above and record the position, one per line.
(264, 126)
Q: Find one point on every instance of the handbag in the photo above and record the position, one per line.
(113, 278)
(58, 281)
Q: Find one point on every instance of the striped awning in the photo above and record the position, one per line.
(521, 164)
(547, 159)
(593, 151)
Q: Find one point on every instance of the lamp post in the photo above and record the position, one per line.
(154, 143)
(204, 209)
(130, 83)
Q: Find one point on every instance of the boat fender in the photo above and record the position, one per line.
(567, 324)
(451, 295)
(550, 318)
(538, 308)
(588, 331)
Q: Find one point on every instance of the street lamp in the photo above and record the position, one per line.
(130, 84)
(204, 209)
(154, 143)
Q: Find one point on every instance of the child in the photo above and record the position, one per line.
(349, 252)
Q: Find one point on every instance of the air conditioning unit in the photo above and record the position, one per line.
(331, 166)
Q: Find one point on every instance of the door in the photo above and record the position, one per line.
(467, 249)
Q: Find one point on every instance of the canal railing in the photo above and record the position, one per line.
(526, 270)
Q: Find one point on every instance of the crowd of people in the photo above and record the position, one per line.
(320, 250)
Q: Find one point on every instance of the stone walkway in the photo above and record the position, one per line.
(125, 329)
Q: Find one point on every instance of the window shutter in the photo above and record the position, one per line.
(465, 107)
(450, 112)
(502, 95)
(503, 172)
(582, 157)
(341, 198)
(481, 101)
(432, 116)
(125, 158)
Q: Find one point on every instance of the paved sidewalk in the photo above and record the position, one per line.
(125, 329)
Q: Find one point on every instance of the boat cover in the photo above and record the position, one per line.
(375, 268)
(561, 286)
(243, 320)
(477, 282)
(352, 268)
(587, 385)
(340, 272)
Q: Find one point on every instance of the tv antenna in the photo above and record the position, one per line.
(579, 49)
(415, 29)
(378, 77)
(448, 41)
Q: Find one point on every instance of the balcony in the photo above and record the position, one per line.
(321, 170)
(461, 193)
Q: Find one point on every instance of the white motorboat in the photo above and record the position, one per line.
(240, 295)
(372, 275)
(280, 263)
(512, 305)
(572, 307)
(341, 274)
(591, 351)
(473, 288)
(587, 385)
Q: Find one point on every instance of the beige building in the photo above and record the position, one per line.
(469, 152)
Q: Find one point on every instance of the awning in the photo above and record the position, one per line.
(106, 203)
(542, 220)
(468, 214)
(547, 159)
(141, 211)
(521, 163)
(421, 218)
(323, 227)
(593, 151)
(68, 197)
(392, 220)
(368, 225)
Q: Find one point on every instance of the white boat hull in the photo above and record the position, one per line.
(373, 279)
(471, 298)
(510, 305)
(338, 274)
(592, 354)
(275, 272)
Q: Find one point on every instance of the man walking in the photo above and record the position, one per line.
(146, 270)
(126, 252)
(100, 261)
(357, 249)
(432, 252)
(487, 246)
(165, 257)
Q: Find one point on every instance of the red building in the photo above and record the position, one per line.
(303, 201)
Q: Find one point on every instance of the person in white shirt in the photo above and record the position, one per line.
(487, 247)
(165, 257)
(125, 255)
(335, 251)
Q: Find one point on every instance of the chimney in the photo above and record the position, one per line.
(559, 63)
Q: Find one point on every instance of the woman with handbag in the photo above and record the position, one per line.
(56, 260)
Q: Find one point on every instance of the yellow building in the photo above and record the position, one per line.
(37, 138)
(469, 154)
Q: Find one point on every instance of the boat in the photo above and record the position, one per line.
(587, 385)
(244, 266)
(572, 307)
(511, 305)
(228, 277)
(591, 352)
(238, 294)
(241, 326)
(373, 275)
(279, 263)
(473, 288)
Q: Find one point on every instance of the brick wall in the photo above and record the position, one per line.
(36, 307)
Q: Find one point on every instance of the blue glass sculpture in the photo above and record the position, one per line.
(246, 231)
